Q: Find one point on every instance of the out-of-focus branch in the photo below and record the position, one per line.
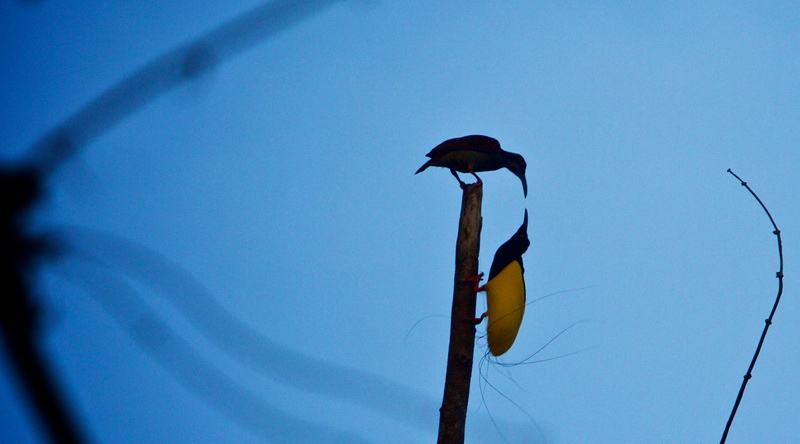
(164, 345)
(164, 73)
(20, 327)
(240, 341)
(20, 188)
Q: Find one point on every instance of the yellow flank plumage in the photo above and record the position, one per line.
(505, 299)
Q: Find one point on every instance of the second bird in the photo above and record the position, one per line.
(505, 292)
(471, 154)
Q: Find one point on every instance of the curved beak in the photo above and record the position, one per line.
(519, 172)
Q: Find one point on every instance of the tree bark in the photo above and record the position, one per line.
(453, 413)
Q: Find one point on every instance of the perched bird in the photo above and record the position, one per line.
(505, 292)
(470, 154)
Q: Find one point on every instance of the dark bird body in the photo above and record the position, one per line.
(471, 154)
(505, 292)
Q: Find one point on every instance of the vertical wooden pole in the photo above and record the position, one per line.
(453, 413)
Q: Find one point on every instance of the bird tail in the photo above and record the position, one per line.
(423, 167)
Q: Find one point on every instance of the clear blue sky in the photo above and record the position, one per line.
(282, 182)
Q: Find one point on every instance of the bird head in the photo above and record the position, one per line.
(519, 242)
(511, 250)
(516, 164)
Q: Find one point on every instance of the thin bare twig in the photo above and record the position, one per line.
(768, 321)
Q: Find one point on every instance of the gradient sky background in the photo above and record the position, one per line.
(282, 182)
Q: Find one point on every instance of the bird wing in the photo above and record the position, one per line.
(482, 144)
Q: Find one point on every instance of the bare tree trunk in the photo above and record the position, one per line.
(453, 413)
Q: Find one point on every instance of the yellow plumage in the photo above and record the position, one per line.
(505, 300)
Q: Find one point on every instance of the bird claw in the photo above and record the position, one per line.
(464, 185)
(479, 181)
(476, 321)
(475, 281)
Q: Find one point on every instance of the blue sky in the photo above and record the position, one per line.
(281, 183)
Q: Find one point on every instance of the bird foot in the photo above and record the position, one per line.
(464, 186)
(475, 281)
(479, 181)
(477, 321)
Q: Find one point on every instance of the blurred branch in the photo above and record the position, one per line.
(21, 188)
(767, 322)
(453, 414)
(20, 317)
(242, 342)
(195, 373)
(164, 73)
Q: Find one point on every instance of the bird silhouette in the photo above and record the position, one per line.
(505, 292)
(476, 153)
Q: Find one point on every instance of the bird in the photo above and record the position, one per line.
(505, 292)
(475, 153)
